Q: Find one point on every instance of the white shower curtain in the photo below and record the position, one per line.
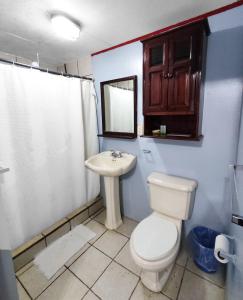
(90, 138)
(42, 141)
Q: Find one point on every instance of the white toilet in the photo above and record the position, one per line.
(155, 241)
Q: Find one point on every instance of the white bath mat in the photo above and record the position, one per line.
(52, 258)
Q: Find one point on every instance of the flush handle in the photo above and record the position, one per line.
(238, 220)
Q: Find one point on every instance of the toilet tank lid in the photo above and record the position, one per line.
(172, 182)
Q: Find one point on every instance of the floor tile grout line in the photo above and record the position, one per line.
(47, 245)
(101, 274)
(122, 264)
(126, 268)
(184, 270)
(169, 298)
(188, 269)
(114, 229)
(121, 249)
(223, 288)
(87, 243)
(85, 294)
(89, 290)
(24, 288)
(112, 258)
(76, 276)
(100, 235)
(24, 270)
(78, 256)
(68, 268)
(112, 261)
(104, 208)
(50, 284)
(93, 218)
(97, 213)
(182, 278)
(98, 222)
(96, 295)
(139, 279)
(121, 234)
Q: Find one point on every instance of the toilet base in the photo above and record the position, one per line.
(155, 281)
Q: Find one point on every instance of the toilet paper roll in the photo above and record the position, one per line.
(221, 244)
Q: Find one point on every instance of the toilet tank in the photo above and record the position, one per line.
(172, 196)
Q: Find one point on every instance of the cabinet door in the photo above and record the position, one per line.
(155, 75)
(182, 73)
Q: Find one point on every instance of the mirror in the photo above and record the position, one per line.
(119, 107)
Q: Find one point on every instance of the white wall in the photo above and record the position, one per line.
(81, 67)
(206, 161)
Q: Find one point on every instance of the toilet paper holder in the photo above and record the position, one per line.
(229, 256)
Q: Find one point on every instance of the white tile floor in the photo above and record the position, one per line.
(104, 269)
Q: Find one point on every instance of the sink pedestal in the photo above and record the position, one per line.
(111, 166)
(113, 212)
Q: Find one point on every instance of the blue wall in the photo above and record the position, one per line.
(206, 161)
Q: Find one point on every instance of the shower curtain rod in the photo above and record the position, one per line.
(44, 70)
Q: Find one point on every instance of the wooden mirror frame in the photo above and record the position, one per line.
(112, 134)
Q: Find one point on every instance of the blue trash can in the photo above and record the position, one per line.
(202, 242)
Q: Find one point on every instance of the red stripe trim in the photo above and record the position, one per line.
(185, 22)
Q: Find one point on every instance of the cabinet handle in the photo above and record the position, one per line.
(170, 75)
(165, 76)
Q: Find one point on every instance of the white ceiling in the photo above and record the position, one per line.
(25, 26)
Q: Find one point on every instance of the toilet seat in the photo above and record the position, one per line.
(154, 238)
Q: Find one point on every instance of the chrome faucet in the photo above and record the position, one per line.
(116, 154)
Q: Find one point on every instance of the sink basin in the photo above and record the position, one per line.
(111, 168)
(106, 165)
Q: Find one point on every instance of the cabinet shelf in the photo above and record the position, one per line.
(169, 113)
(118, 135)
(182, 137)
(173, 74)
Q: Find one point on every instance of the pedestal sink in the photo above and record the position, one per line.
(111, 168)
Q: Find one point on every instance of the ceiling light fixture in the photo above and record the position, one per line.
(65, 27)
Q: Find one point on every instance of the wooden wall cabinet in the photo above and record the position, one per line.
(173, 70)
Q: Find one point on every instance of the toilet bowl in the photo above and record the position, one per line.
(156, 254)
(155, 242)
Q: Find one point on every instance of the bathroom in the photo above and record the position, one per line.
(121, 141)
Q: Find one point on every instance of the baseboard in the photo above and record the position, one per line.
(27, 251)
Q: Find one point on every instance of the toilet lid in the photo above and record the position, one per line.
(154, 238)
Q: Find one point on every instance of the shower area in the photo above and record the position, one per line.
(48, 128)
